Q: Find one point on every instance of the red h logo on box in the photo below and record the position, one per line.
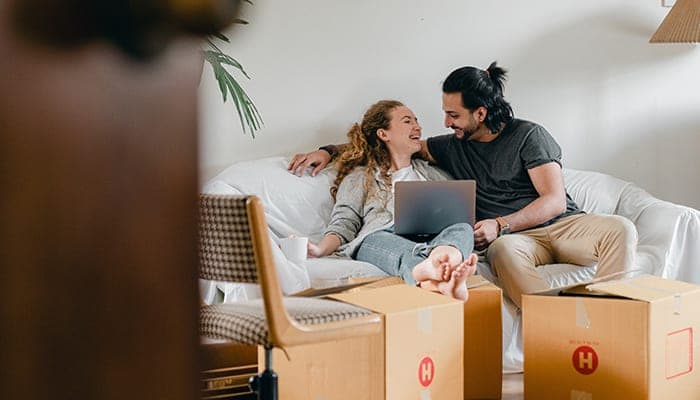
(585, 360)
(426, 371)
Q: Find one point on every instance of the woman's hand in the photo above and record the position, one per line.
(313, 250)
(326, 246)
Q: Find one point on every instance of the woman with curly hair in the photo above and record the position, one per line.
(379, 154)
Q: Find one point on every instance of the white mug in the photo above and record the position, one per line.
(294, 248)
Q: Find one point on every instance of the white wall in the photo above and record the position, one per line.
(583, 69)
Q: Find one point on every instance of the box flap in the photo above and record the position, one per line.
(393, 299)
(579, 286)
(313, 292)
(645, 287)
(377, 283)
(476, 281)
(352, 285)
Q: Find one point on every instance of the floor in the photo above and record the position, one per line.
(512, 387)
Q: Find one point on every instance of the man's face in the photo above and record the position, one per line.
(463, 121)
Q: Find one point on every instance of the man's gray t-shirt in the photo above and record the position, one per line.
(499, 167)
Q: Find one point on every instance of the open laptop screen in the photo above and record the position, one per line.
(422, 207)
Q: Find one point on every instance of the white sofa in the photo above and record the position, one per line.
(669, 234)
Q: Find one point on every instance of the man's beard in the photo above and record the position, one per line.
(464, 134)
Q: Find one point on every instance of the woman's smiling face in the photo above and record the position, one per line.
(404, 133)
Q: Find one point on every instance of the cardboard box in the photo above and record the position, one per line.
(338, 370)
(418, 355)
(630, 339)
(483, 358)
(483, 340)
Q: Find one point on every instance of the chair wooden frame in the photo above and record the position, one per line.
(283, 330)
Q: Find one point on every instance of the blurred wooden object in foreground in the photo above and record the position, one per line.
(98, 169)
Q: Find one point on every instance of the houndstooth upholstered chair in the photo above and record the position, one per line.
(234, 246)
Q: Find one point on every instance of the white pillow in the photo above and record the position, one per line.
(594, 192)
(293, 205)
(293, 277)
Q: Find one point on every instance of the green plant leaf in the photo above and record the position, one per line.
(248, 114)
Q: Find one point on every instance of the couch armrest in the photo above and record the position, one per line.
(669, 234)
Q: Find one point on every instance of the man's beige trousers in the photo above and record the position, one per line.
(581, 239)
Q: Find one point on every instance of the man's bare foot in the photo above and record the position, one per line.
(456, 286)
(437, 266)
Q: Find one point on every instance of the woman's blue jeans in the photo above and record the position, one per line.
(397, 255)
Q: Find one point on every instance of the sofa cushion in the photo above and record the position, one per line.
(293, 205)
(594, 192)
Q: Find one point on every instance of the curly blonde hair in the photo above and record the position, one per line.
(366, 149)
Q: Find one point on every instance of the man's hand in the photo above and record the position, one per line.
(485, 232)
(318, 159)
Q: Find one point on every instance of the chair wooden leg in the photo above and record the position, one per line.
(265, 383)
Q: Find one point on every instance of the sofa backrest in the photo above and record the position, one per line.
(302, 205)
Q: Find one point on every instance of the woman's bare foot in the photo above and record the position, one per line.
(432, 269)
(437, 266)
(456, 286)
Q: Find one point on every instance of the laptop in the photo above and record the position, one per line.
(428, 207)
